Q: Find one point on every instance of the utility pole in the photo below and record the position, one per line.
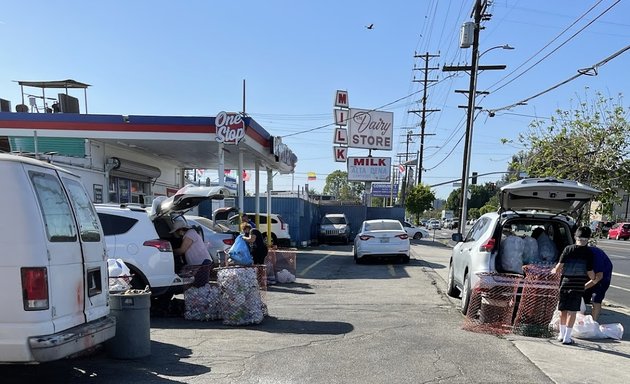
(479, 15)
(424, 110)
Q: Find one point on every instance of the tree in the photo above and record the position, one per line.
(419, 199)
(337, 184)
(589, 144)
(479, 196)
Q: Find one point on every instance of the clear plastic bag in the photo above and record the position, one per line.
(586, 328)
(612, 331)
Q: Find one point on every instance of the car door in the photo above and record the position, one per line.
(93, 249)
(462, 252)
(65, 276)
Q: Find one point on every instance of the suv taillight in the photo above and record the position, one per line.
(228, 241)
(161, 245)
(35, 288)
(488, 246)
(281, 223)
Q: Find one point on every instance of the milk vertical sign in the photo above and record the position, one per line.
(341, 112)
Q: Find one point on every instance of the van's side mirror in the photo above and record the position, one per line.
(457, 237)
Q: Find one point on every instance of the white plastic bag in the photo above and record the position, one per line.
(512, 254)
(119, 275)
(612, 331)
(586, 328)
(555, 321)
(285, 276)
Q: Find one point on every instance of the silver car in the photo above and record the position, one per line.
(541, 209)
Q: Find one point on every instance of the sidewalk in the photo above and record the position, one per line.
(593, 361)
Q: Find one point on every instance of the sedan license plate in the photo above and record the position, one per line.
(384, 239)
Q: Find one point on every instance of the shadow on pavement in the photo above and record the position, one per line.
(270, 324)
(98, 367)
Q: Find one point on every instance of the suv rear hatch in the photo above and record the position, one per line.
(547, 195)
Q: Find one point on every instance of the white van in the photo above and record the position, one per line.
(53, 269)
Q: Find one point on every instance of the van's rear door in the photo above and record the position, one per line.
(66, 283)
(93, 249)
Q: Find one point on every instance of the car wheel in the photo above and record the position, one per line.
(465, 295)
(451, 289)
(417, 236)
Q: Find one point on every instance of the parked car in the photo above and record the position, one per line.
(381, 238)
(452, 224)
(619, 231)
(217, 242)
(414, 232)
(525, 205)
(141, 237)
(434, 224)
(334, 227)
(229, 217)
(53, 273)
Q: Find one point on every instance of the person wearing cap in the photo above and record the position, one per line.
(576, 266)
(194, 250)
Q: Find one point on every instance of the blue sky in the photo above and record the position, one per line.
(189, 58)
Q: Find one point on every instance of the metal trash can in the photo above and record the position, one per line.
(133, 325)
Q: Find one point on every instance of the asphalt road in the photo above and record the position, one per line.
(619, 253)
(339, 323)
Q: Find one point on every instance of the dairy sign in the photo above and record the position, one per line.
(369, 168)
(370, 129)
(230, 128)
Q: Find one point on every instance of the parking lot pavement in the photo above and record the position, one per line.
(593, 361)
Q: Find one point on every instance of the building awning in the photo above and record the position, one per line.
(69, 83)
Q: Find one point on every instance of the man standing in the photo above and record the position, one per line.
(596, 289)
(576, 266)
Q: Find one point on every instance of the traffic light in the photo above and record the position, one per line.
(474, 178)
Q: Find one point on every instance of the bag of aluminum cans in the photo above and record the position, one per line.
(203, 303)
(241, 300)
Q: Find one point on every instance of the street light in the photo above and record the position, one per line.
(470, 121)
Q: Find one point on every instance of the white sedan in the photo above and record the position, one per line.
(381, 238)
(414, 232)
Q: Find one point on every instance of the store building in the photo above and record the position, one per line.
(132, 159)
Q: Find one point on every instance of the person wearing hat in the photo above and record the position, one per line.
(576, 266)
(194, 250)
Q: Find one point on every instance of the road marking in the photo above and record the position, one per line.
(623, 289)
(391, 270)
(619, 274)
(305, 270)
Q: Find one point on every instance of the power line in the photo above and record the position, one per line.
(590, 71)
(555, 49)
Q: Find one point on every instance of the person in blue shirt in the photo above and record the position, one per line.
(246, 219)
(596, 289)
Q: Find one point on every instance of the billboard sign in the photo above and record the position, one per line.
(369, 168)
(370, 129)
(230, 127)
(384, 190)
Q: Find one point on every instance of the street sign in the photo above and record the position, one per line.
(384, 190)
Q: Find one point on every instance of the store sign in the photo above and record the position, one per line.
(341, 154)
(341, 136)
(282, 153)
(341, 99)
(370, 129)
(369, 168)
(230, 127)
(341, 117)
(384, 190)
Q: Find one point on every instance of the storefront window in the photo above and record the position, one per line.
(128, 191)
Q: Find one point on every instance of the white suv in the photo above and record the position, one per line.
(141, 237)
(229, 216)
(544, 208)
